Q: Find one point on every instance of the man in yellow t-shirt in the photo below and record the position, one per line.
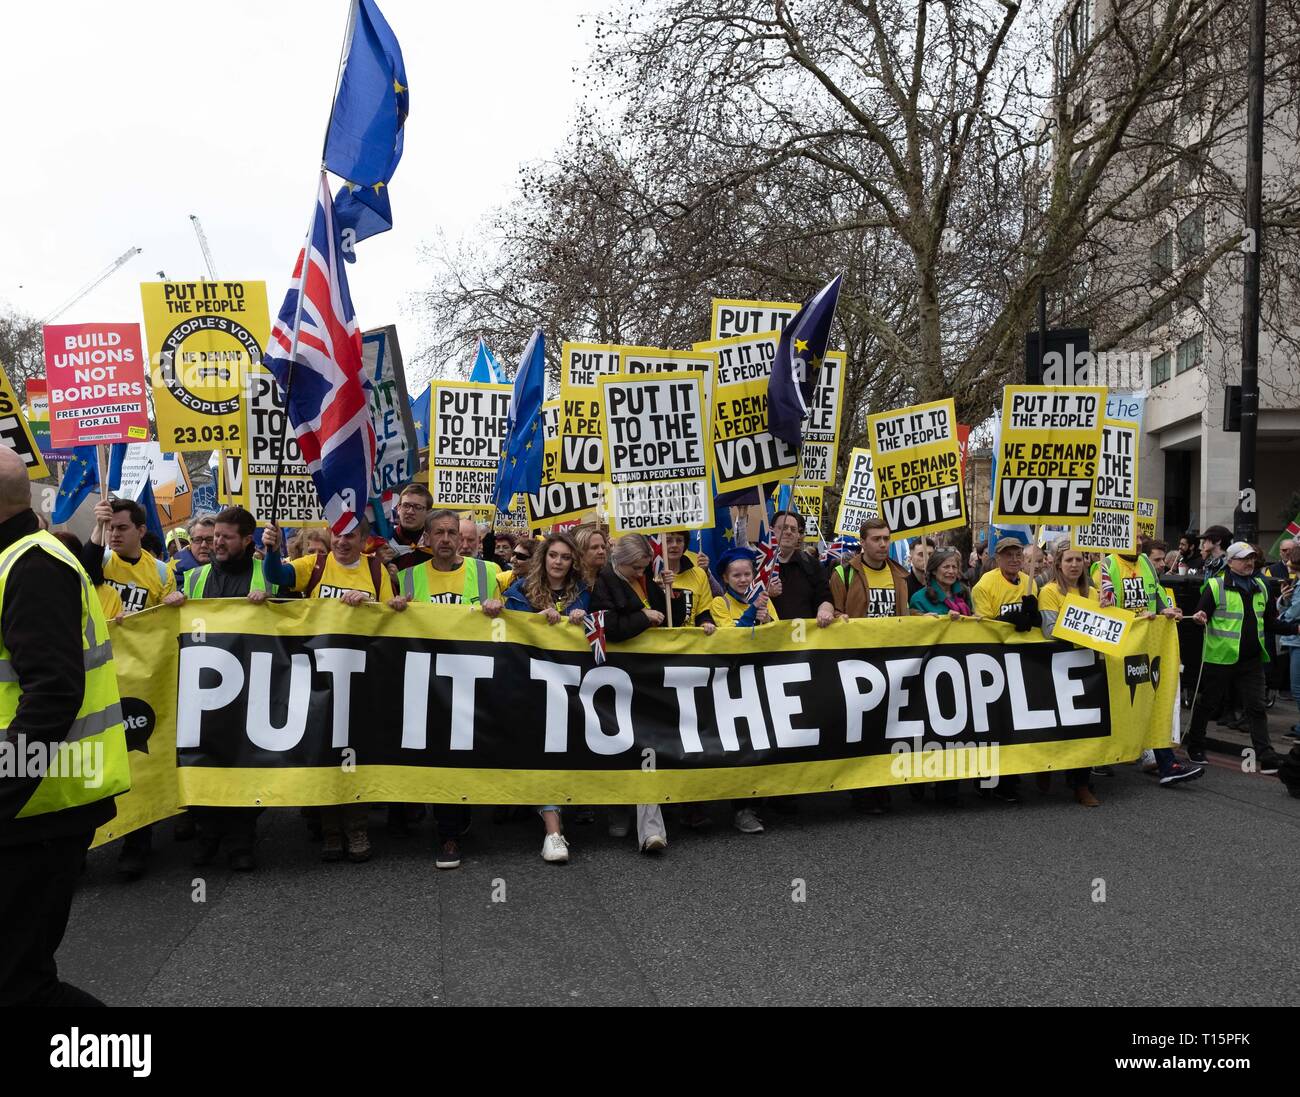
(1006, 592)
(451, 579)
(141, 580)
(345, 573)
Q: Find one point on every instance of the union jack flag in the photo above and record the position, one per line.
(836, 551)
(315, 355)
(1106, 587)
(594, 623)
(769, 563)
(656, 554)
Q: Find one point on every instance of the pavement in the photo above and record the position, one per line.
(1162, 896)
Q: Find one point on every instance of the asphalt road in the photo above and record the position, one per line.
(992, 904)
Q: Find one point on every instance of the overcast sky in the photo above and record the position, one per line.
(121, 120)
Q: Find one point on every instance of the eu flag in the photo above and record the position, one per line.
(81, 478)
(421, 410)
(364, 140)
(520, 468)
(361, 212)
(798, 360)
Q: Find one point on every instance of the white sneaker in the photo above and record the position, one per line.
(654, 844)
(747, 821)
(555, 849)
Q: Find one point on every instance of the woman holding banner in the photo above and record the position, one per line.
(622, 592)
(690, 595)
(593, 550)
(555, 589)
(1069, 576)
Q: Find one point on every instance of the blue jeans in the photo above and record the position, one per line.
(1295, 676)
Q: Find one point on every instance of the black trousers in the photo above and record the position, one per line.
(1216, 680)
(234, 828)
(37, 882)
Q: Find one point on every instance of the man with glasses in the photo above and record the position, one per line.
(413, 508)
(199, 551)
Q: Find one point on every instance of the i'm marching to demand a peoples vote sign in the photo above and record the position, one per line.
(655, 453)
(1114, 523)
(1047, 454)
(469, 427)
(858, 501)
(97, 387)
(916, 459)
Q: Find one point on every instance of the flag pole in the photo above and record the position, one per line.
(293, 357)
(302, 274)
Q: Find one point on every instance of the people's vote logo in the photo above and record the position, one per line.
(139, 721)
(1139, 669)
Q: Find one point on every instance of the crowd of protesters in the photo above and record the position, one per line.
(435, 555)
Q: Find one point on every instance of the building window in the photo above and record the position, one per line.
(1191, 236)
(1188, 354)
(1160, 368)
(1073, 39)
(1162, 193)
(1192, 293)
(1162, 315)
(1162, 257)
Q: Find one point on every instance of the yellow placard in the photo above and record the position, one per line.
(732, 317)
(858, 499)
(203, 337)
(916, 461)
(15, 433)
(582, 447)
(807, 499)
(1147, 509)
(1048, 452)
(466, 433)
(819, 452)
(1085, 623)
(656, 452)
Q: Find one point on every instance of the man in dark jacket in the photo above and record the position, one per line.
(803, 590)
(41, 856)
(232, 572)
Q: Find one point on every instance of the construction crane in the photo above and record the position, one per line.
(203, 245)
(121, 260)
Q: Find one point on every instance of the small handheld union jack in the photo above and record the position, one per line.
(1106, 587)
(769, 563)
(595, 626)
(656, 554)
(834, 552)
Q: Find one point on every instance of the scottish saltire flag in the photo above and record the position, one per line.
(364, 141)
(798, 361)
(315, 354)
(520, 467)
(487, 370)
(421, 409)
(362, 212)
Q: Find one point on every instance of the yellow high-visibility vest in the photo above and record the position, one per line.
(98, 725)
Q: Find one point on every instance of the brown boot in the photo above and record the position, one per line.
(1083, 795)
(358, 845)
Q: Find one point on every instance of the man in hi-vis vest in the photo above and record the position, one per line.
(452, 579)
(62, 734)
(232, 571)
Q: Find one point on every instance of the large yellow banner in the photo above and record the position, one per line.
(202, 336)
(316, 702)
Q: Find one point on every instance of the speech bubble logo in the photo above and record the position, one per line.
(1137, 669)
(140, 721)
